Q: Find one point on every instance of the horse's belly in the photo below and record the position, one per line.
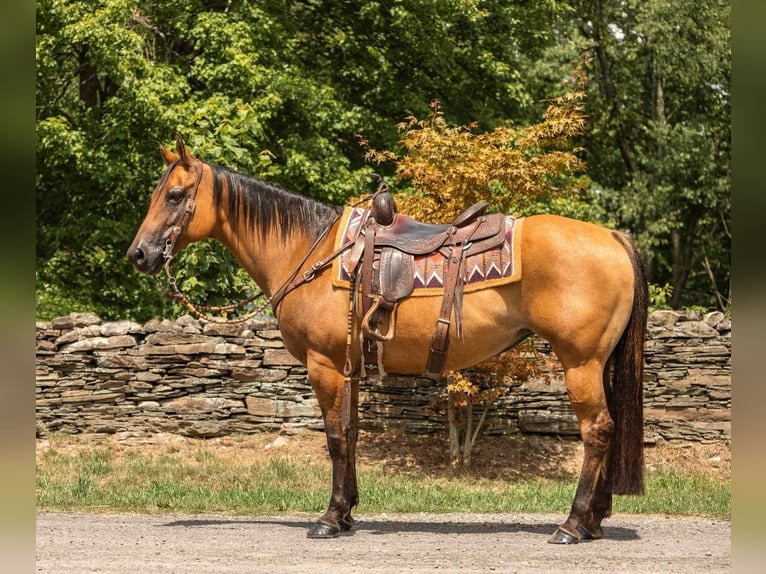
(491, 323)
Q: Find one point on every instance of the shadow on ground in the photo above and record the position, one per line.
(385, 527)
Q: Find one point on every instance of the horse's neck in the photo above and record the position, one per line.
(269, 261)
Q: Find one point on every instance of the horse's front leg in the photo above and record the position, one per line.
(328, 386)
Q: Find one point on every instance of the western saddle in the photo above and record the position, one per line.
(387, 246)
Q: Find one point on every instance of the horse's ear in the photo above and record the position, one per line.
(184, 154)
(168, 156)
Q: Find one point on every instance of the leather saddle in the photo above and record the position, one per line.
(387, 246)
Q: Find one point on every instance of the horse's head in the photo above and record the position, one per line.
(173, 220)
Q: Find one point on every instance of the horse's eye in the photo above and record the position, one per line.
(175, 196)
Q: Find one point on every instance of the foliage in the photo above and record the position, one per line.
(274, 88)
(449, 169)
(659, 295)
(281, 88)
(483, 385)
(659, 134)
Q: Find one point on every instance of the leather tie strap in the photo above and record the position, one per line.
(437, 353)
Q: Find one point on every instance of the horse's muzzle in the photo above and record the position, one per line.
(145, 258)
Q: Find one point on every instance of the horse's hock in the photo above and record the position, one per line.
(204, 379)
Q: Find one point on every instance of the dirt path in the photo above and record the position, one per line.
(105, 543)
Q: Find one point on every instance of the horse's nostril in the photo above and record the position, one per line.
(137, 256)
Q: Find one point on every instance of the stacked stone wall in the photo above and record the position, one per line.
(205, 380)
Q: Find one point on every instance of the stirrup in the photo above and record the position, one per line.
(375, 333)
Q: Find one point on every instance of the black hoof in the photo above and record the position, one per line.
(563, 537)
(322, 530)
(347, 523)
(585, 534)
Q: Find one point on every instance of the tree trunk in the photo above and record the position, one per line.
(683, 256)
(88, 79)
(454, 431)
(598, 26)
(467, 432)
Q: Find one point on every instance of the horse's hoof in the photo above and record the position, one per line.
(563, 537)
(322, 530)
(346, 523)
(586, 534)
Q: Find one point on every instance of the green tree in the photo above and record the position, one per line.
(97, 112)
(658, 139)
(281, 88)
(278, 88)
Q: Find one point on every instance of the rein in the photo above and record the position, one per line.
(293, 281)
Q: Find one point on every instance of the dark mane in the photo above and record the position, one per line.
(267, 207)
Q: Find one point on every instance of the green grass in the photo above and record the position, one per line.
(669, 492)
(100, 479)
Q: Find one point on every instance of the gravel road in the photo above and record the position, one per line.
(180, 544)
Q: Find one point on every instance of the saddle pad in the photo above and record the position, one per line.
(482, 270)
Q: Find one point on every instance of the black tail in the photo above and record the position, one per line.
(625, 397)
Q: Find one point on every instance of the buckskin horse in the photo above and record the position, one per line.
(582, 288)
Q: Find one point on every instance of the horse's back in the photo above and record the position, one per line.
(570, 242)
(575, 289)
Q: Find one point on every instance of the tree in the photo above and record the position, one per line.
(659, 134)
(281, 88)
(96, 114)
(450, 168)
(481, 386)
(278, 88)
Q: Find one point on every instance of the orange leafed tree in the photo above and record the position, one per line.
(450, 168)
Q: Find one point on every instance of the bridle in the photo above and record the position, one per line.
(177, 228)
(174, 292)
(293, 281)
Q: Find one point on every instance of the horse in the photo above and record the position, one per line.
(583, 289)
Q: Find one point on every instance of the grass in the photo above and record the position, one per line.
(196, 480)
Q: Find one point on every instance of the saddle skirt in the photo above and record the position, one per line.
(482, 270)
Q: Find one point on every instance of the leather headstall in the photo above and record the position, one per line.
(177, 228)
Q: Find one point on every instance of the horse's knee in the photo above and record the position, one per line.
(336, 442)
(339, 438)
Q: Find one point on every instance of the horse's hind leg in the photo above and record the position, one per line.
(602, 499)
(341, 443)
(592, 501)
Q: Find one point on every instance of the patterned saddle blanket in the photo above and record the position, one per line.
(481, 270)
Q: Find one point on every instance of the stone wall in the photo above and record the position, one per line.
(204, 380)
